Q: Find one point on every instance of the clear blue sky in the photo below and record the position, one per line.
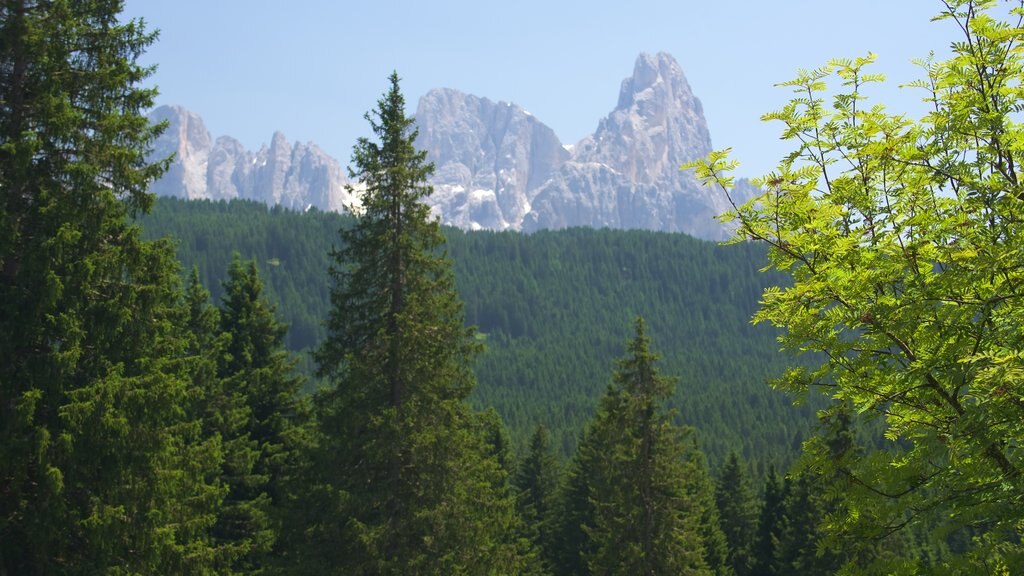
(312, 68)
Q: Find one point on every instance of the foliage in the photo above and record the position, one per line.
(536, 483)
(737, 514)
(101, 469)
(260, 409)
(401, 457)
(903, 241)
(552, 308)
(643, 513)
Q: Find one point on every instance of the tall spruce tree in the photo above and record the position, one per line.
(408, 485)
(96, 469)
(262, 407)
(640, 472)
(769, 526)
(737, 514)
(536, 484)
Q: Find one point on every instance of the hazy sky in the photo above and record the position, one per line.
(312, 68)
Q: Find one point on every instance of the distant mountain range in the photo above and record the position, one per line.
(498, 167)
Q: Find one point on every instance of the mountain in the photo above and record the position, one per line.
(292, 175)
(498, 167)
(490, 158)
(554, 309)
(626, 175)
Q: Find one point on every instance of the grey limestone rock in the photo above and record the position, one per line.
(297, 176)
(489, 157)
(187, 138)
(626, 175)
(497, 166)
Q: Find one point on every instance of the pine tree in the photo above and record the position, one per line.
(769, 526)
(640, 475)
(574, 512)
(96, 469)
(737, 515)
(701, 491)
(262, 392)
(406, 483)
(536, 484)
(800, 548)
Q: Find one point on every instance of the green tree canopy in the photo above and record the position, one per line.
(646, 492)
(903, 241)
(100, 468)
(402, 458)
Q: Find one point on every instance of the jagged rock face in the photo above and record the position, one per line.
(657, 125)
(497, 167)
(227, 170)
(626, 175)
(297, 176)
(187, 138)
(489, 158)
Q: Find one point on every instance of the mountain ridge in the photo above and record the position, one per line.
(498, 167)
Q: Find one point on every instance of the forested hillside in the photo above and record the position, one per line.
(554, 309)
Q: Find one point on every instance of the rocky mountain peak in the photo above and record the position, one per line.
(497, 166)
(296, 176)
(651, 73)
(657, 124)
(626, 174)
(489, 158)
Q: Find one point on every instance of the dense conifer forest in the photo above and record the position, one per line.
(223, 388)
(553, 310)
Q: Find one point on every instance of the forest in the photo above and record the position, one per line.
(552, 310)
(223, 388)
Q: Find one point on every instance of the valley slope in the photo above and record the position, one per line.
(554, 309)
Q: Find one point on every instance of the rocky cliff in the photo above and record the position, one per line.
(293, 175)
(497, 166)
(490, 158)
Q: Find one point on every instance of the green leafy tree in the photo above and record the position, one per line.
(902, 240)
(100, 466)
(646, 510)
(408, 483)
(737, 514)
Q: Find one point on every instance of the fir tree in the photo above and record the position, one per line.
(639, 469)
(536, 484)
(769, 526)
(262, 391)
(737, 515)
(408, 485)
(99, 463)
(574, 512)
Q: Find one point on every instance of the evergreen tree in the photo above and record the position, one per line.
(408, 485)
(800, 548)
(769, 526)
(99, 467)
(737, 514)
(701, 490)
(536, 484)
(646, 514)
(574, 511)
(216, 413)
(261, 392)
